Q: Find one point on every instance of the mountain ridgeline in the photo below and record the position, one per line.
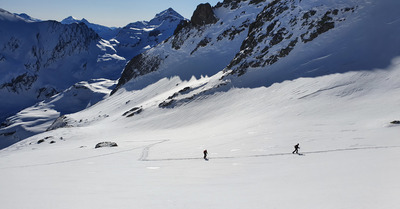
(255, 35)
(42, 58)
(136, 37)
(44, 63)
(265, 37)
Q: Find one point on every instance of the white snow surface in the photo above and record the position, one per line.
(38, 118)
(341, 122)
(349, 148)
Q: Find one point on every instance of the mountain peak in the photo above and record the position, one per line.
(168, 13)
(27, 17)
(70, 20)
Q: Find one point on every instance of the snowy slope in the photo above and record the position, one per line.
(331, 95)
(40, 117)
(349, 156)
(313, 39)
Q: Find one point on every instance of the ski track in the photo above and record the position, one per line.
(276, 154)
(74, 160)
(146, 150)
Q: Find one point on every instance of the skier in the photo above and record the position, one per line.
(296, 148)
(205, 154)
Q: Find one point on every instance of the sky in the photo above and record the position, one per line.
(116, 13)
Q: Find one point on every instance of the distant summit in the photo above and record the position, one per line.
(103, 31)
(140, 36)
(137, 36)
(168, 13)
(70, 20)
(28, 18)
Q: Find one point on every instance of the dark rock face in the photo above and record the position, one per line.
(133, 111)
(8, 133)
(232, 32)
(185, 95)
(203, 15)
(233, 4)
(181, 25)
(60, 122)
(106, 144)
(137, 66)
(20, 83)
(202, 43)
(46, 92)
(181, 35)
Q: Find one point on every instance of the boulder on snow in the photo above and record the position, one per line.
(203, 15)
(397, 122)
(106, 144)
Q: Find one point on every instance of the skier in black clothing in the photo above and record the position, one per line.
(205, 154)
(296, 148)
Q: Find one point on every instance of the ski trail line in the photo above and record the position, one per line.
(146, 149)
(74, 160)
(145, 152)
(276, 154)
(143, 157)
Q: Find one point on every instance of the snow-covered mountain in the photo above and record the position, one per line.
(246, 80)
(28, 18)
(252, 36)
(203, 46)
(103, 31)
(107, 60)
(40, 59)
(136, 37)
(140, 36)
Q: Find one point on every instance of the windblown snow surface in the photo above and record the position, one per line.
(349, 148)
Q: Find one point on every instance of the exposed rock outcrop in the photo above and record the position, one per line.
(272, 36)
(203, 15)
(20, 83)
(106, 144)
(60, 122)
(139, 65)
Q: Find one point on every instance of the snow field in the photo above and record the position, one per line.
(350, 149)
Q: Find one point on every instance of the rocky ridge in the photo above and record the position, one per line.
(279, 28)
(195, 37)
